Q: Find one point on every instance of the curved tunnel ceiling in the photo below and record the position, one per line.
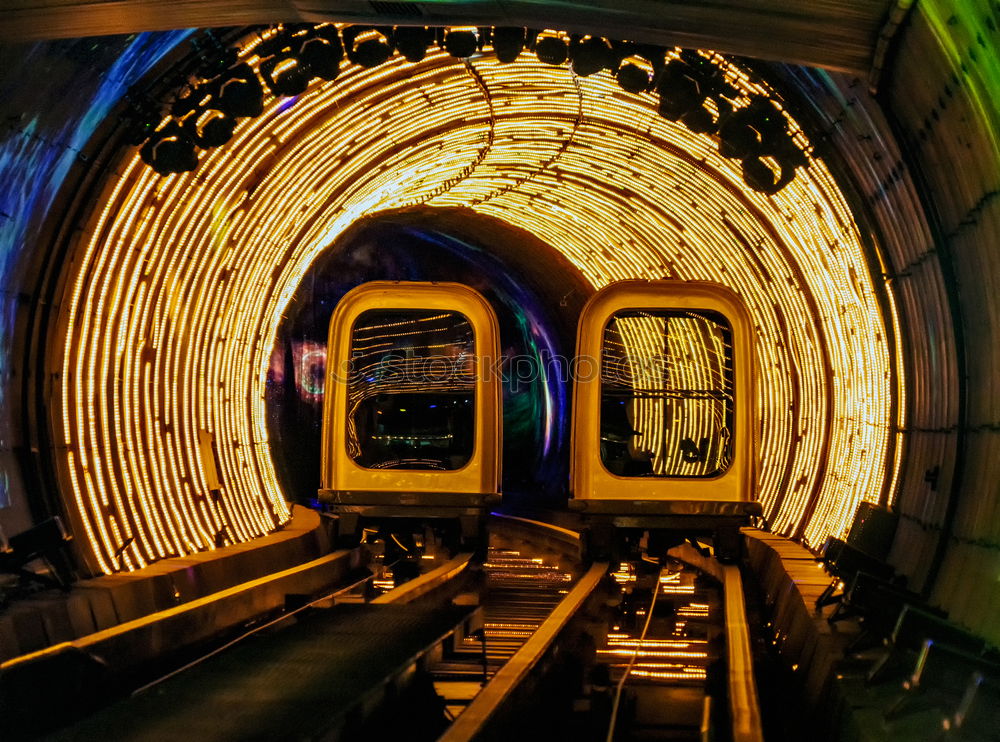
(177, 284)
(838, 34)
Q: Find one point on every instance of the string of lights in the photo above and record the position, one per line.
(178, 282)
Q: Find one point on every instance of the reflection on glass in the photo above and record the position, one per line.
(411, 390)
(667, 394)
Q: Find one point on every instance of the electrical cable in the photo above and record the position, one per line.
(631, 662)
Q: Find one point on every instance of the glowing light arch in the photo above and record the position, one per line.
(178, 284)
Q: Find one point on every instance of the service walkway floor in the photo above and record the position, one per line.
(304, 681)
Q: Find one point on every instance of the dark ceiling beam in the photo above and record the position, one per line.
(836, 34)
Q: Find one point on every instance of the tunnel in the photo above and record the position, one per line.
(167, 291)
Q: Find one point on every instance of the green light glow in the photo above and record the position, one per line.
(967, 31)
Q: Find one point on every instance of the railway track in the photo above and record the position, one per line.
(524, 645)
(672, 660)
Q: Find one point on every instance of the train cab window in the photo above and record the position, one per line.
(667, 394)
(411, 390)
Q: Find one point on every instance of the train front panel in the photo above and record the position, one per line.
(664, 406)
(412, 411)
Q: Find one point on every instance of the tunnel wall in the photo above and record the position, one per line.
(936, 96)
(861, 142)
(941, 95)
(593, 171)
(922, 153)
(54, 98)
(615, 245)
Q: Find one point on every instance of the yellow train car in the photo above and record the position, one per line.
(412, 406)
(664, 409)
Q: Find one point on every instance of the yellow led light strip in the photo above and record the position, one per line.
(176, 289)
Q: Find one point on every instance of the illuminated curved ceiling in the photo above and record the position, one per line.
(177, 284)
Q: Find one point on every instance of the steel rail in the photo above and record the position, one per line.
(559, 533)
(425, 583)
(483, 707)
(567, 543)
(744, 706)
